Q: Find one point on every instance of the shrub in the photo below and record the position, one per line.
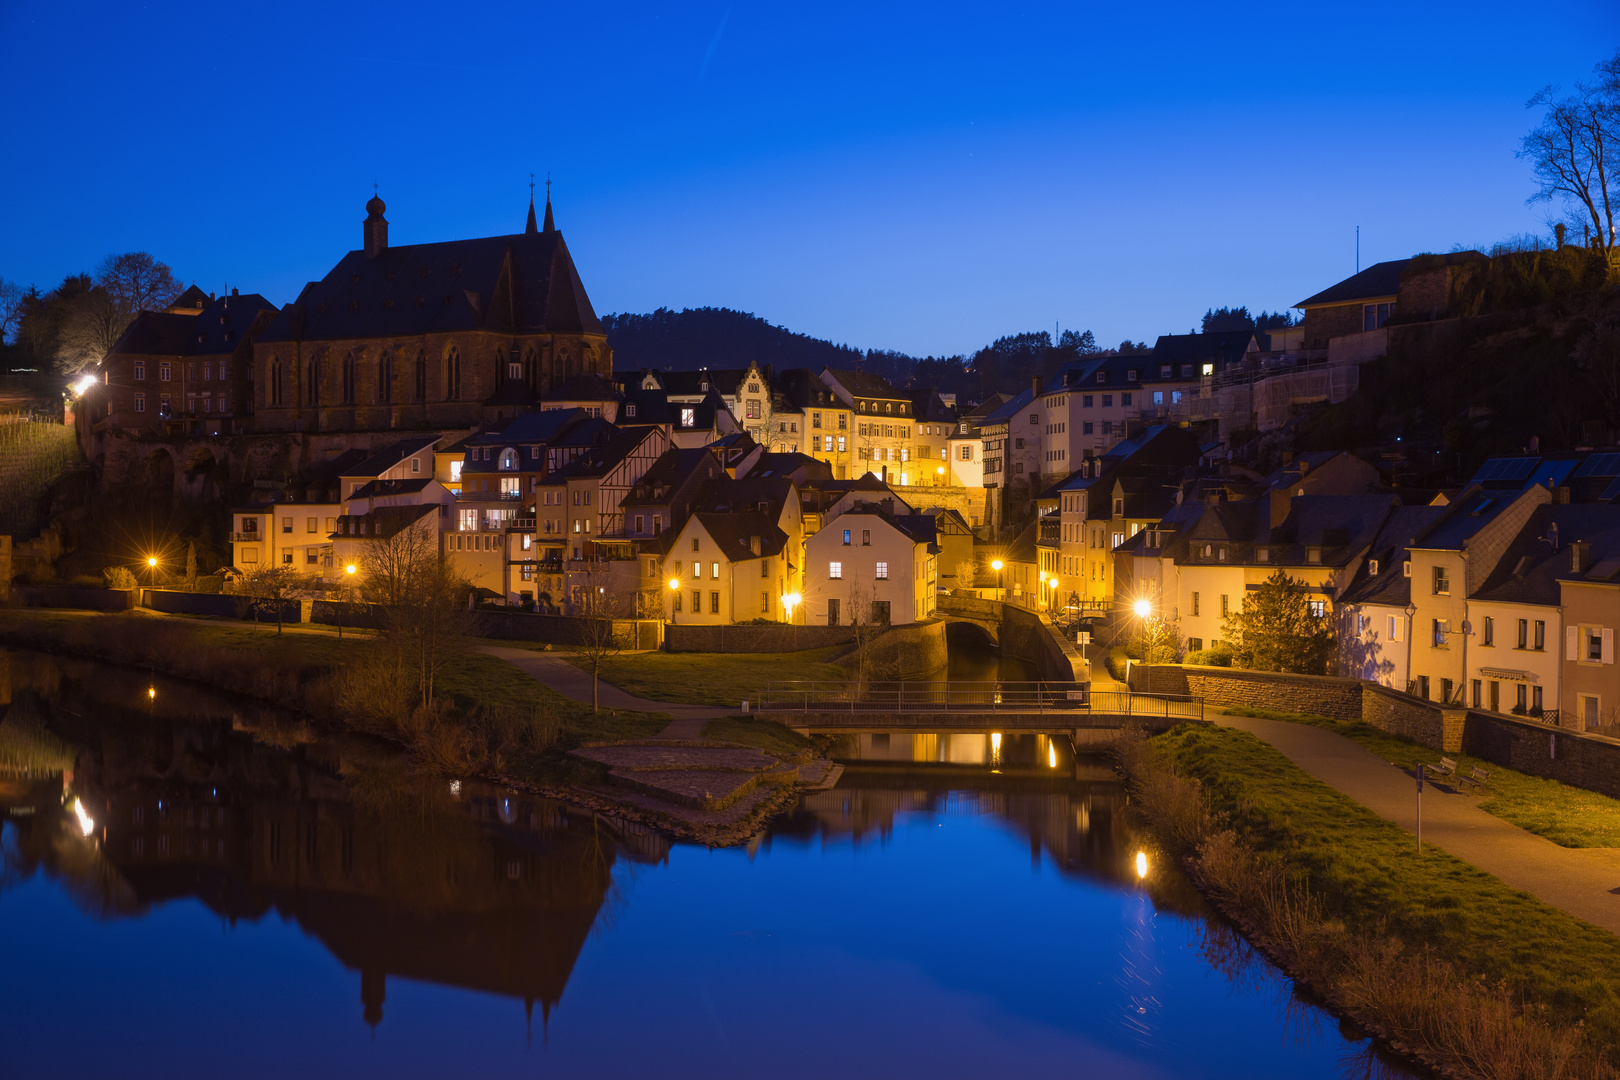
(119, 577)
(1214, 656)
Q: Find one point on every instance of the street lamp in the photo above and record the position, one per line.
(995, 564)
(1144, 611)
(674, 597)
(343, 595)
(151, 570)
(1411, 625)
(789, 602)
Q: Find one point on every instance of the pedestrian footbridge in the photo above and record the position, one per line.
(973, 706)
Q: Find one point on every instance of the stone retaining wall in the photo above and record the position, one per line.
(1220, 686)
(774, 638)
(73, 596)
(1585, 761)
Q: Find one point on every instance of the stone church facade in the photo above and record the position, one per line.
(428, 336)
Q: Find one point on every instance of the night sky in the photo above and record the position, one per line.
(921, 178)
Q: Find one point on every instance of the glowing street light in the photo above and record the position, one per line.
(1143, 609)
(350, 569)
(789, 602)
(86, 824)
(996, 564)
(674, 597)
(83, 385)
(1141, 864)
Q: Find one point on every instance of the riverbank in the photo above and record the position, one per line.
(1443, 961)
(488, 719)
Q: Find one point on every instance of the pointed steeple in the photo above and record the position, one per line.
(529, 229)
(550, 226)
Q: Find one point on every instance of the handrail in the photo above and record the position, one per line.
(1066, 698)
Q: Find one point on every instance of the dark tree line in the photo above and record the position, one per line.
(73, 325)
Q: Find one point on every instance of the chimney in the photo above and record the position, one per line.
(1034, 388)
(1560, 496)
(1535, 444)
(1580, 552)
(753, 545)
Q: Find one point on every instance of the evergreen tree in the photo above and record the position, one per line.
(1274, 630)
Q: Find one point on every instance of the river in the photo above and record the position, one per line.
(194, 886)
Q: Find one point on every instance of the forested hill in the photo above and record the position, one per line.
(716, 338)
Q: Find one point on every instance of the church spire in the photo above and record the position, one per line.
(529, 229)
(550, 227)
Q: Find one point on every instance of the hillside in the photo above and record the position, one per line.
(716, 338)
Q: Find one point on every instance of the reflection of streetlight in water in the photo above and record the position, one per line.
(1139, 964)
(995, 749)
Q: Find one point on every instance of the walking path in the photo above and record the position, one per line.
(686, 721)
(1585, 882)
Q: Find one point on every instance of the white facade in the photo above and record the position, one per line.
(862, 558)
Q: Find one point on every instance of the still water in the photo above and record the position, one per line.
(193, 886)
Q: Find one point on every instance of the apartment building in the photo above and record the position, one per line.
(871, 566)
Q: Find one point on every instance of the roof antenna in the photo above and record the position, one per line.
(1358, 249)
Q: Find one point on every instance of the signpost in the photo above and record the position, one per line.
(1082, 638)
(1420, 808)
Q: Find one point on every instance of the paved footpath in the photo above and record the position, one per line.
(1585, 882)
(686, 721)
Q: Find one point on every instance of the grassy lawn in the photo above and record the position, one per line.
(768, 735)
(712, 678)
(301, 652)
(1568, 816)
(1365, 871)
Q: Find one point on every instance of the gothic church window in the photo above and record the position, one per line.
(385, 378)
(452, 375)
(312, 391)
(421, 376)
(348, 378)
(275, 380)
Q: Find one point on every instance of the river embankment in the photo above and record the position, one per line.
(1442, 961)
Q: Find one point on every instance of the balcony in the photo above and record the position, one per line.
(463, 495)
(246, 537)
(1050, 532)
(521, 524)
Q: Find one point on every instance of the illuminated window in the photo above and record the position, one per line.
(835, 570)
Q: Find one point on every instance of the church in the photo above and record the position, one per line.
(428, 336)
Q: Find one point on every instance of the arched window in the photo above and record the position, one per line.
(421, 375)
(348, 378)
(385, 378)
(274, 390)
(567, 365)
(312, 391)
(509, 459)
(452, 374)
(531, 369)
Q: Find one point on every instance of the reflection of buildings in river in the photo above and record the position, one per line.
(485, 889)
(1068, 808)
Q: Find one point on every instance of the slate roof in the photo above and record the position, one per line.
(193, 299)
(386, 459)
(520, 284)
(733, 531)
(1532, 566)
(587, 386)
(723, 494)
(383, 522)
(862, 384)
(803, 390)
(1008, 409)
(782, 464)
(529, 428)
(1464, 517)
(690, 383)
(673, 469)
(156, 333)
(1224, 347)
(376, 489)
(1378, 280)
(1390, 586)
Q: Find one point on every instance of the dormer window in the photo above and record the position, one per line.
(688, 418)
(1372, 567)
(509, 459)
(1313, 554)
(416, 465)
(630, 409)
(1131, 375)
(1262, 554)
(1102, 376)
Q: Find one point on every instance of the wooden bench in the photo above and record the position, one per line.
(1478, 777)
(1447, 767)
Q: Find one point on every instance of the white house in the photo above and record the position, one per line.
(867, 565)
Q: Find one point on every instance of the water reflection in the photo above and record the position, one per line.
(901, 872)
(485, 889)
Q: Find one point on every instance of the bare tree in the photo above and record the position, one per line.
(11, 307)
(1575, 151)
(595, 602)
(269, 588)
(432, 622)
(136, 282)
(390, 563)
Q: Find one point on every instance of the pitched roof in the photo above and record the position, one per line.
(529, 428)
(384, 521)
(376, 489)
(385, 459)
(700, 382)
(803, 389)
(862, 384)
(734, 533)
(1380, 279)
(520, 284)
(1539, 556)
(587, 386)
(1390, 586)
(787, 463)
(1225, 347)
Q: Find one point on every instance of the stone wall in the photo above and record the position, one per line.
(73, 596)
(1031, 637)
(561, 629)
(776, 637)
(913, 651)
(1585, 761)
(218, 605)
(1402, 714)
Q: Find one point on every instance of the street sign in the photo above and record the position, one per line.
(1082, 637)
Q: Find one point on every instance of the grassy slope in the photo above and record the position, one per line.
(1366, 871)
(474, 678)
(768, 735)
(1568, 816)
(712, 678)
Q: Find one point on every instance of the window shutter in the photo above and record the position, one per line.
(1608, 644)
(1572, 643)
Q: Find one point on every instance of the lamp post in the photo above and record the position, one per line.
(343, 596)
(1144, 612)
(789, 602)
(674, 597)
(1001, 592)
(1411, 625)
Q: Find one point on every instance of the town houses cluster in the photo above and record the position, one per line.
(467, 388)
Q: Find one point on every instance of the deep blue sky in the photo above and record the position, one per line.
(921, 178)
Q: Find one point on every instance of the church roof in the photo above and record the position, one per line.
(521, 284)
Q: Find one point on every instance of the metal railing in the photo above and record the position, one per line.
(1063, 698)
